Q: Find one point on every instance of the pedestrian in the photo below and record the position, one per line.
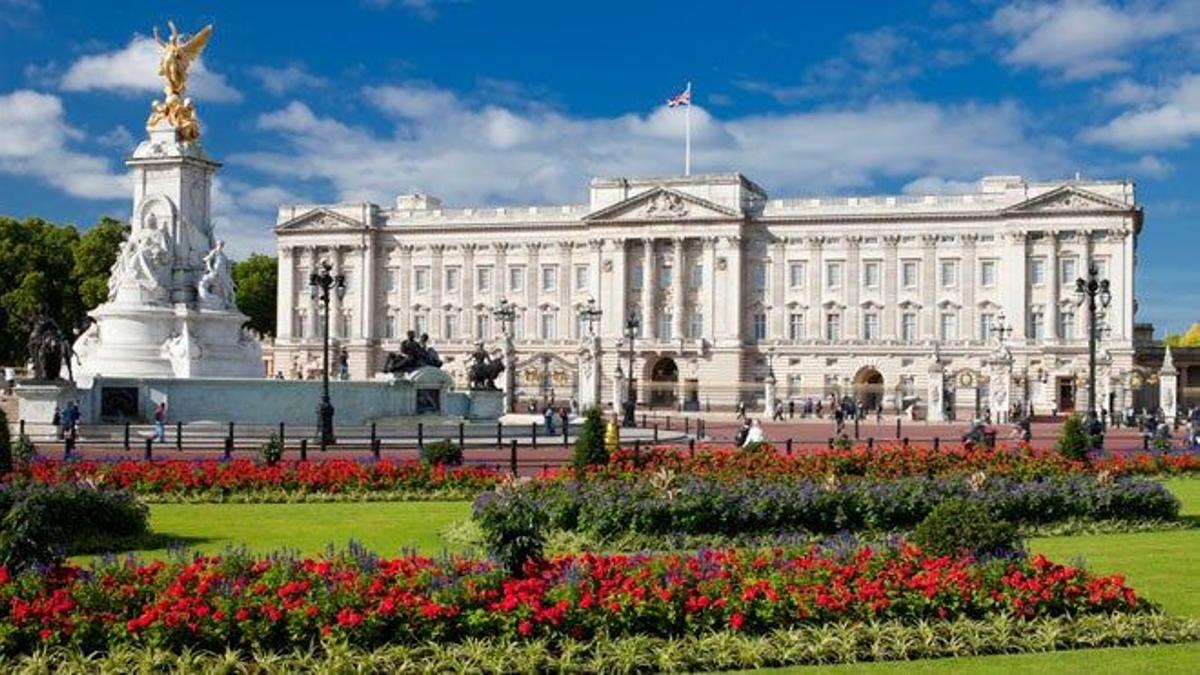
(279, 374)
(70, 420)
(564, 414)
(839, 419)
(741, 410)
(743, 432)
(343, 365)
(778, 411)
(574, 406)
(754, 435)
(57, 421)
(549, 417)
(879, 414)
(160, 422)
(791, 408)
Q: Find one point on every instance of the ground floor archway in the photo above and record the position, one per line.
(664, 378)
(868, 388)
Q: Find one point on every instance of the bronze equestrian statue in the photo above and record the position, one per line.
(483, 370)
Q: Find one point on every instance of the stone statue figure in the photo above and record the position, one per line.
(49, 350)
(431, 356)
(414, 353)
(216, 286)
(117, 273)
(178, 53)
(483, 370)
(143, 261)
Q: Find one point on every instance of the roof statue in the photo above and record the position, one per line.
(178, 53)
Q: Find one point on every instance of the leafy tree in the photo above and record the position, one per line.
(94, 255)
(589, 444)
(1075, 442)
(256, 279)
(1191, 338)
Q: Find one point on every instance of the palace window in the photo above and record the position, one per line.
(760, 326)
(1101, 265)
(665, 324)
(581, 277)
(871, 326)
(546, 327)
(1068, 276)
(516, 279)
(420, 323)
(1066, 324)
(344, 325)
(453, 274)
(949, 326)
(549, 278)
(390, 280)
(298, 331)
(908, 327)
(696, 326)
(1037, 271)
(483, 326)
(949, 273)
(389, 327)
(908, 274)
(760, 276)
(987, 321)
(797, 270)
(636, 280)
(796, 326)
(1037, 325)
(483, 279)
(987, 273)
(450, 326)
(833, 275)
(871, 274)
(666, 274)
(580, 327)
(421, 279)
(697, 275)
(833, 326)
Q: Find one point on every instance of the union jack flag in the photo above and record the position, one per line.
(683, 99)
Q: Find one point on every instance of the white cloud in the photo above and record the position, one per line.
(35, 143)
(1085, 39)
(1126, 92)
(423, 9)
(488, 154)
(1171, 124)
(279, 81)
(134, 69)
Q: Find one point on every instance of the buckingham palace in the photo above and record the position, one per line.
(734, 293)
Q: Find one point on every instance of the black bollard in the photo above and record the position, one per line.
(691, 448)
(303, 449)
(668, 422)
(21, 428)
(127, 436)
(637, 452)
(231, 431)
(643, 420)
(376, 448)
(897, 427)
(533, 428)
(499, 435)
(937, 443)
(830, 443)
(228, 447)
(462, 438)
(420, 435)
(656, 432)
(179, 437)
(512, 457)
(566, 433)
(856, 427)
(871, 443)
(373, 436)
(148, 452)
(687, 422)
(789, 447)
(904, 442)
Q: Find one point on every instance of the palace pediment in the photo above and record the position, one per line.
(320, 220)
(1068, 198)
(663, 204)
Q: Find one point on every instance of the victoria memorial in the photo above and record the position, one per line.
(723, 288)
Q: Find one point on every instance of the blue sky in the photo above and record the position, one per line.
(519, 102)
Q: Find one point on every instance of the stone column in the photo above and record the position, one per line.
(779, 282)
(533, 283)
(709, 291)
(285, 314)
(1013, 277)
(929, 287)
(405, 274)
(1053, 283)
(616, 309)
(816, 286)
(891, 296)
(852, 325)
(335, 303)
(368, 304)
(437, 280)
(649, 330)
(565, 286)
(677, 291)
(966, 283)
(467, 329)
(733, 294)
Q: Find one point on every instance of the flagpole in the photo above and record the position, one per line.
(687, 133)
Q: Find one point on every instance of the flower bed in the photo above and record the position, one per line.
(216, 478)
(889, 460)
(668, 503)
(281, 603)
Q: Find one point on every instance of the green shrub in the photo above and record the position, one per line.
(843, 442)
(271, 451)
(24, 451)
(589, 444)
(43, 523)
(6, 450)
(1074, 443)
(514, 526)
(442, 453)
(966, 525)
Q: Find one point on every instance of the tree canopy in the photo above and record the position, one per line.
(256, 279)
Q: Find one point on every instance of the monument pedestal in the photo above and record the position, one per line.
(485, 404)
(37, 402)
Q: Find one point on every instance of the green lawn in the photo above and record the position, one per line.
(384, 527)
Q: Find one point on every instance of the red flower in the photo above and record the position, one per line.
(737, 620)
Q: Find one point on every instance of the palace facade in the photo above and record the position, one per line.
(827, 295)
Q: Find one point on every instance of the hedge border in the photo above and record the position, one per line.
(823, 645)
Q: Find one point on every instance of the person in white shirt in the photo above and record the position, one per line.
(755, 435)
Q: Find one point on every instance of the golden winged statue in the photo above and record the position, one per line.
(178, 53)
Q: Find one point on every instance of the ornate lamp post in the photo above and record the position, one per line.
(632, 324)
(505, 313)
(320, 283)
(1088, 290)
(591, 314)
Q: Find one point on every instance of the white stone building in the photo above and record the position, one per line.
(833, 295)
